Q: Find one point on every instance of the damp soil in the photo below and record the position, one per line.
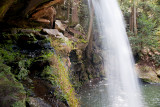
(42, 89)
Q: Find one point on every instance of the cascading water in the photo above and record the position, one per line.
(123, 88)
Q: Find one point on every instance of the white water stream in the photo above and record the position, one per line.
(123, 88)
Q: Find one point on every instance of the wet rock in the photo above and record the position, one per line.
(96, 58)
(98, 42)
(37, 102)
(29, 32)
(59, 26)
(33, 42)
(26, 37)
(29, 45)
(40, 36)
(25, 31)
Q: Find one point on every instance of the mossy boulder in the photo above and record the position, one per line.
(12, 93)
(147, 73)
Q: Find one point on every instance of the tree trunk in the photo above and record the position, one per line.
(90, 36)
(69, 9)
(133, 18)
(90, 22)
(75, 19)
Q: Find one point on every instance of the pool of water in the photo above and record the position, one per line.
(94, 95)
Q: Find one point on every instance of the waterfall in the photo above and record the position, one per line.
(123, 88)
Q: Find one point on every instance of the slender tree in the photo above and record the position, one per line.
(133, 18)
(90, 36)
(75, 4)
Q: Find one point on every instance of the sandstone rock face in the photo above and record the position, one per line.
(46, 15)
(16, 12)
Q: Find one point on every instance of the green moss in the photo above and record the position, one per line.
(61, 46)
(82, 41)
(64, 82)
(7, 56)
(19, 62)
(19, 104)
(8, 85)
(58, 75)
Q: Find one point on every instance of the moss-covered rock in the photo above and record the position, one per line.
(12, 93)
(147, 73)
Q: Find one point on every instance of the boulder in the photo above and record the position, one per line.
(147, 74)
(56, 33)
(51, 32)
(78, 27)
(59, 26)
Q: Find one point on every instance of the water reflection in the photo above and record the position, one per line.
(94, 95)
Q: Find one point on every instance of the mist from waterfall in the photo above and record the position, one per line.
(123, 89)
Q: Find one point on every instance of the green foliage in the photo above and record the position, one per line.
(148, 22)
(146, 34)
(158, 2)
(47, 72)
(23, 73)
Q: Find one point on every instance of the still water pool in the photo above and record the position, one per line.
(93, 95)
